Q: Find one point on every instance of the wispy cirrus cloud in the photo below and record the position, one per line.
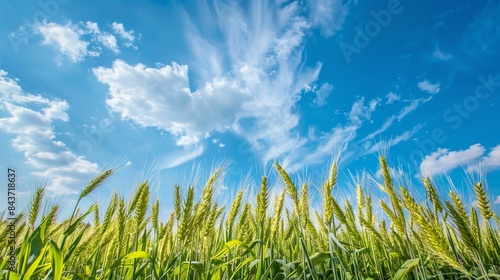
(406, 110)
(414, 104)
(371, 148)
(368, 143)
(250, 73)
(336, 140)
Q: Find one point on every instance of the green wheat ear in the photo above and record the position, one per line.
(234, 210)
(278, 208)
(482, 202)
(432, 194)
(262, 202)
(289, 185)
(96, 182)
(34, 207)
(177, 203)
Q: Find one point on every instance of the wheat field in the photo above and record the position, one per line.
(396, 236)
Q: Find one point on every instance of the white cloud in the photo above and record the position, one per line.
(109, 41)
(218, 143)
(429, 87)
(444, 160)
(106, 39)
(127, 36)
(360, 111)
(328, 15)
(78, 41)
(34, 136)
(437, 54)
(492, 160)
(248, 83)
(391, 97)
(66, 39)
(322, 94)
(168, 103)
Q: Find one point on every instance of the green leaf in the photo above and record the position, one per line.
(340, 258)
(73, 246)
(75, 224)
(32, 248)
(31, 269)
(337, 242)
(224, 250)
(11, 275)
(57, 260)
(240, 266)
(41, 269)
(216, 275)
(129, 256)
(497, 276)
(198, 266)
(406, 268)
(182, 269)
(81, 276)
(309, 263)
(319, 257)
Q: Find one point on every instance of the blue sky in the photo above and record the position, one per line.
(158, 87)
